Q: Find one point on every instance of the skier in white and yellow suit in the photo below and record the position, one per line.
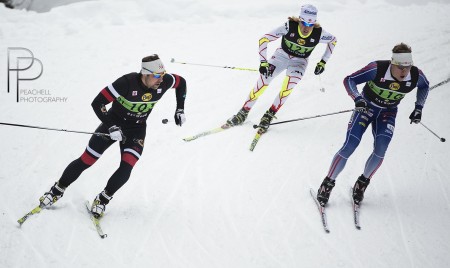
(299, 38)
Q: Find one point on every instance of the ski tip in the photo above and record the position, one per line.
(103, 236)
(191, 138)
(253, 145)
(226, 126)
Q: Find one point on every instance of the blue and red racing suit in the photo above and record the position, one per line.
(382, 93)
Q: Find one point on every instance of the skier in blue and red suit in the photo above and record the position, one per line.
(386, 84)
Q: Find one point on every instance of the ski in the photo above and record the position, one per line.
(95, 221)
(208, 132)
(323, 215)
(34, 211)
(256, 139)
(356, 208)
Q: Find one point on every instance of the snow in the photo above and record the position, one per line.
(212, 202)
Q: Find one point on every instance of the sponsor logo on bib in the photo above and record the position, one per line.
(394, 86)
(301, 41)
(147, 97)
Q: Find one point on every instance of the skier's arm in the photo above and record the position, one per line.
(269, 37)
(361, 76)
(179, 84)
(422, 90)
(180, 90)
(106, 96)
(331, 41)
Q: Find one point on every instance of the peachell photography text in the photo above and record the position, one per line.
(21, 64)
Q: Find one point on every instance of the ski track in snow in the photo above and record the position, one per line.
(401, 226)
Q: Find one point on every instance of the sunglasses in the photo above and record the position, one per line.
(155, 75)
(307, 24)
(403, 67)
(158, 75)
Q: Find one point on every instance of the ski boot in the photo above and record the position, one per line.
(359, 188)
(99, 204)
(50, 197)
(323, 194)
(266, 119)
(238, 119)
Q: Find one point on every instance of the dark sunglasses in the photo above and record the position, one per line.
(158, 75)
(403, 67)
(307, 24)
(155, 75)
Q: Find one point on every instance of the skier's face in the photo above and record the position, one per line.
(305, 29)
(400, 72)
(152, 80)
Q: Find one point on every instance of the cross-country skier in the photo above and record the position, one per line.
(386, 84)
(133, 97)
(300, 35)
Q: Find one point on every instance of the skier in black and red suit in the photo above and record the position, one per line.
(133, 97)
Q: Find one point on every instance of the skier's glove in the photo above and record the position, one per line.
(180, 118)
(115, 133)
(360, 105)
(320, 67)
(416, 115)
(266, 69)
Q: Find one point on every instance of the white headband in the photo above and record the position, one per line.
(402, 59)
(155, 66)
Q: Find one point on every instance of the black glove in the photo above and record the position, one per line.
(266, 69)
(416, 115)
(320, 67)
(179, 117)
(360, 105)
(115, 133)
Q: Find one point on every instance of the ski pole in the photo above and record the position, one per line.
(305, 118)
(442, 139)
(217, 66)
(55, 129)
(440, 84)
(322, 115)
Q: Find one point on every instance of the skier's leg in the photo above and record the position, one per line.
(96, 147)
(383, 130)
(279, 63)
(131, 150)
(293, 76)
(356, 128)
(261, 85)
